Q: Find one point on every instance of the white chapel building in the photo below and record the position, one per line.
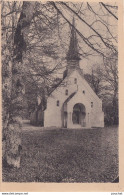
(73, 104)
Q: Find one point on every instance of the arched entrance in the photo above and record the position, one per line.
(79, 114)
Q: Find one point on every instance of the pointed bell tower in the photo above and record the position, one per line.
(73, 54)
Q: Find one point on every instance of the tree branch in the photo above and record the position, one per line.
(105, 43)
(108, 10)
(80, 34)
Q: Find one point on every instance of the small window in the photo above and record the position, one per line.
(66, 92)
(57, 103)
(83, 92)
(75, 81)
(91, 104)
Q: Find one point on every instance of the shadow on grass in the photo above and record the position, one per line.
(89, 155)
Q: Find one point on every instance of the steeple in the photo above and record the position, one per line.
(73, 48)
(72, 55)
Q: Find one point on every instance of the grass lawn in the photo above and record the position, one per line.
(89, 155)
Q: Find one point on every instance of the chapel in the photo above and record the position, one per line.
(73, 103)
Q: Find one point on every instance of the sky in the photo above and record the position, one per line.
(64, 31)
(87, 63)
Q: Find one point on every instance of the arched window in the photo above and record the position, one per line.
(91, 104)
(57, 103)
(66, 92)
(75, 81)
(83, 92)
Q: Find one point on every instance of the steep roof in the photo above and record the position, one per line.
(58, 84)
(71, 96)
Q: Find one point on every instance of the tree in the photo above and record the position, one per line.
(95, 79)
(19, 68)
(104, 82)
(12, 124)
(25, 25)
(110, 75)
(99, 38)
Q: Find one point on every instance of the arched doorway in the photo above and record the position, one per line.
(79, 114)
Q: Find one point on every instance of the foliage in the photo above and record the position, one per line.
(95, 80)
(104, 82)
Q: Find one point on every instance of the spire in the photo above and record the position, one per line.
(73, 48)
(72, 55)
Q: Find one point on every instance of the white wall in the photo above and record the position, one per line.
(52, 114)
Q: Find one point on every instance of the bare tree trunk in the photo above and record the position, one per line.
(13, 127)
(115, 107)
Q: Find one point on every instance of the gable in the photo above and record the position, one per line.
(83, 84)
(72, 86)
